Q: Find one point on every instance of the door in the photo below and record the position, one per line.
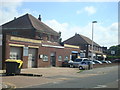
(32, 58)
(29, 60)
(53, 59)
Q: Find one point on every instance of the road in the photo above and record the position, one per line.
(106, 77)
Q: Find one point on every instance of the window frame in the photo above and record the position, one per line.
(45, 58)
(59, 59)
(66, 58)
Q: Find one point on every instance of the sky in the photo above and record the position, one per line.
(70, 18)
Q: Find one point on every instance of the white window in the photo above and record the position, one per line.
(45, 58)
(13, 55)
(59, 58)
(66, 58)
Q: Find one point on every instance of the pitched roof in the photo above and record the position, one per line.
(79, 40)
(28, 21)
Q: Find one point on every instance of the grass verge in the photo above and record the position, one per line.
(80, 71)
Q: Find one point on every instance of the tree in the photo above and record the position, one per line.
(117, 51)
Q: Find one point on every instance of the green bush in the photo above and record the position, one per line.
(113, 57)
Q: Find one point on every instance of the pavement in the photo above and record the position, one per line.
(49, 75)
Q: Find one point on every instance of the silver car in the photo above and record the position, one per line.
(85, 65)
(77, 61)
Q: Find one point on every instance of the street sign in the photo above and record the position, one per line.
(112, 52)
(25, 51)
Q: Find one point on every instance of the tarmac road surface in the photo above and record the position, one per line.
(106, 77)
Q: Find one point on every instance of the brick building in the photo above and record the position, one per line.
(86, 46)
(29, 39)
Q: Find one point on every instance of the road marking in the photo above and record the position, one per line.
(100, 86)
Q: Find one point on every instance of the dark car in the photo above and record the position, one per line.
(66, 63)
(97, 62)
(103, 61)
(116, 61)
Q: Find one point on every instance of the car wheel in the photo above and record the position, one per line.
(80, 68)
(71, 66)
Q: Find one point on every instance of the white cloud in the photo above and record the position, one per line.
(104, 36)
(90, 10)
(8, 10)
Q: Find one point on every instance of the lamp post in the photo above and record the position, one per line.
(92, 35)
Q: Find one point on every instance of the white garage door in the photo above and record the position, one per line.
(16, 53)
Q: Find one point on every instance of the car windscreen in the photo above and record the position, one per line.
(78, 60)
(85, 59)
(83, 62)
(95, 61)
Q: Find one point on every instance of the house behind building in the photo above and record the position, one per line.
(86, 46)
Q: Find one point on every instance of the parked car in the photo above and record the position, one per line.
(104, 61)
(92, 62)
(66, 63)
(81, 59)
(74, 64)
(85, 65)
(97, 62)
(109, 61)
(116, 61)
(77, 61)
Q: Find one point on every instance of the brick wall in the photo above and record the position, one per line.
(40, 51)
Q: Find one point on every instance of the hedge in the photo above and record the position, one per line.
(113, 57)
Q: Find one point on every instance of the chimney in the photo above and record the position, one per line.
(39, 17)
(75, 34)
(14, 18)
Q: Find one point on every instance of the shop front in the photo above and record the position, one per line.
(37, 53)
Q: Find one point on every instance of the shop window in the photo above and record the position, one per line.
(45, 58)
(59, 58)
(13, 56)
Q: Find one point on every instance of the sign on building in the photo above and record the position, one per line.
(25, 51)
(112, 52)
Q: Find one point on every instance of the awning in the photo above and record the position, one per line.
(16, 45)
(74, 51)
